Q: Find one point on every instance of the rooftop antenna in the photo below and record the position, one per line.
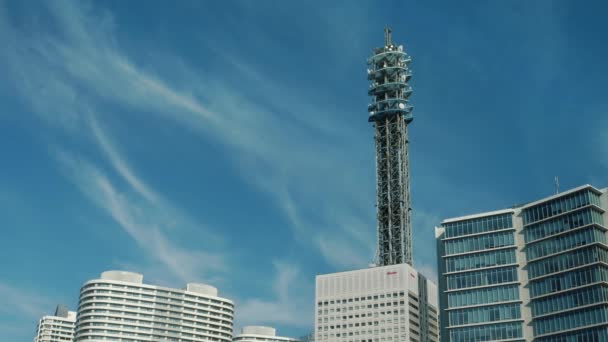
(556, 185)
(387, 36)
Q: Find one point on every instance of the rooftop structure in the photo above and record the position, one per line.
(56, 328)
(261, 334)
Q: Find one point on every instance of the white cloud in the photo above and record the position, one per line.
(120, 164)
(429, 271)
(343, 253)
(319, 184)
(17, 301)
(315, 183)
(288, 307)
(145, 222)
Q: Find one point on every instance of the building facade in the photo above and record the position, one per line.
(378, 304)
(261, 334)
(120, 307)
(537, 271)
(56, 328)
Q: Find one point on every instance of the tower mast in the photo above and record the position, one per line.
(390, 113)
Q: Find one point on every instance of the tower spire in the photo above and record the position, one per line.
(387, 36)
(391, 114)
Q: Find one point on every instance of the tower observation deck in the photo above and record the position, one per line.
(391, 114)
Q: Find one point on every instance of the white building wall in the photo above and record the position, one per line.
(56, 329)
(376, 304)
(119, 307)
(256, 333)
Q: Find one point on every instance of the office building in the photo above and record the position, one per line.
(378, 304)
(120, 307)
(537, 271)
(390, 301)
(56, 328)
(261, 334)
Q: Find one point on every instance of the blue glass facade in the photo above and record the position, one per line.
(598, 334)
(480, 280)
(567, 260)
(479, 243)
(484, 295)
(493, 332)
(481, 260)
(535, 272)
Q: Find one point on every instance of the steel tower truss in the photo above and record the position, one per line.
(390, 112)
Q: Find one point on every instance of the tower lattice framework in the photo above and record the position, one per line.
(391, 114)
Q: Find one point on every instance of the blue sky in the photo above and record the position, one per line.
(228, 143)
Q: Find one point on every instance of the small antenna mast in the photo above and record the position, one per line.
(556, 185)
(387, 36)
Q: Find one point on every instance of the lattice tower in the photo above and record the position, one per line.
(391, 114)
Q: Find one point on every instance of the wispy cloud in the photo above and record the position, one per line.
(145, 221)
(288, 307)
(120, 164)
(16, 301)
(266, 132)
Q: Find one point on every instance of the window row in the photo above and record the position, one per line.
(168, 328)
(480, 260)
(563, 242)
(481, 278)
(135, 291)
(159, 335)
(478, 243)
(492, 332)
(562, 224)
(483, 296)
(154, 306)
(588, 335)
(566, 261)
(363, 298)
(485, 314)
(568, 280)
(478, 225)
(571, 320)
(560, 205)
(156, 313)
(569, 300)
(154, 300)
(90, 314)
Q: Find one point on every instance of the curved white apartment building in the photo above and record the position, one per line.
(56, 328)
(256, 333)
(120, 307)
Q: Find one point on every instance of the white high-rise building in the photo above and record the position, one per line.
(56, 328)
(379, 304)
(261, 334)
(120, 307)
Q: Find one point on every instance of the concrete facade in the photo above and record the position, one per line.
(377, 304)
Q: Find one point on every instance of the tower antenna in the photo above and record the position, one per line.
(556, 185)
(387, 36)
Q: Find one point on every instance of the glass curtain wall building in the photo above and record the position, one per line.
(537, 271)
